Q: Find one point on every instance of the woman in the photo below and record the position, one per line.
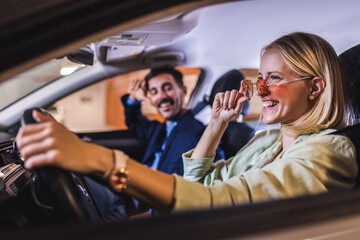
(300, 85)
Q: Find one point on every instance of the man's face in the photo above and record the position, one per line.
(166, 95)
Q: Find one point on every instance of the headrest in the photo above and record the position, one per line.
(228, 81)
(350, 62)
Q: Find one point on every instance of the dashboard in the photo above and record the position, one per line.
(41, 196)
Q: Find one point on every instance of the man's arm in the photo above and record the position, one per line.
(136, 121)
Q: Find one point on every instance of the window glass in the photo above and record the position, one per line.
(22, 84)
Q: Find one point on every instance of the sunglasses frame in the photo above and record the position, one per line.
(262, 86)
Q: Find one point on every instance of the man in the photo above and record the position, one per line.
(163, 87)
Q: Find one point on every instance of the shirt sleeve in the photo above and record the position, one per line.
(131, 102)
(196, 168)
(136, 121)
(317, 165)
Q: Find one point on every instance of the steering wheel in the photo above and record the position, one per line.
(71, 198)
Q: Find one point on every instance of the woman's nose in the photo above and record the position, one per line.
(262, 88)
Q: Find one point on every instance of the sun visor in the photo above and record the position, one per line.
(172, 58)
(131, 43)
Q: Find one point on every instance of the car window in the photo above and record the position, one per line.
(21, 85)
(100, 103)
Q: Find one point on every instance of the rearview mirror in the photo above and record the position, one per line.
(83, 55)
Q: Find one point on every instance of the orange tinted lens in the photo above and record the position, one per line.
(249, 88)
(262, 88)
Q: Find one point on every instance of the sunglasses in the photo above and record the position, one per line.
(261, 86)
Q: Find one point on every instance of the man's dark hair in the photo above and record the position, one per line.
(177, 75)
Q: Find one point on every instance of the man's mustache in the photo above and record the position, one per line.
(166, 100)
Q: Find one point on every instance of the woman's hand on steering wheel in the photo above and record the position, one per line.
(51, 143)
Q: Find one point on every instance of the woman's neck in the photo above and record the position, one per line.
(287, 139)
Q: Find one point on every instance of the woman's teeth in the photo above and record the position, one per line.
(269, 104)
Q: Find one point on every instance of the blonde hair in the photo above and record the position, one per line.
(309, 55)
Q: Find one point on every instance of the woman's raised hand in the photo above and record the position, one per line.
(228, 105)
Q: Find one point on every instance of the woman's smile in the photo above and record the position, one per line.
(268, 105)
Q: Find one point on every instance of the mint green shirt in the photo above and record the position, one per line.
(314, 163)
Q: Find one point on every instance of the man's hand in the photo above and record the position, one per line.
(137, 90)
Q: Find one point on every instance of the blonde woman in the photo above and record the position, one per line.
(300, 85)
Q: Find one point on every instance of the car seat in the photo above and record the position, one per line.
(350, 63)
(237, 133)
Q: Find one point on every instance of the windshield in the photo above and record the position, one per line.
(20, 85)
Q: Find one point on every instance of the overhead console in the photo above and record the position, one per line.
(132, 43)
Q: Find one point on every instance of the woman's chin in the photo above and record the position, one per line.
(269, 121)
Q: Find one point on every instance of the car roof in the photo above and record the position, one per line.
(225, 35)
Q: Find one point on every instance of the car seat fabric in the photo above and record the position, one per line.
(350, 63)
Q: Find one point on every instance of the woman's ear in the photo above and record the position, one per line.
(317, 87)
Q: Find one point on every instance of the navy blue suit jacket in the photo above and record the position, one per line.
(183, 137)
